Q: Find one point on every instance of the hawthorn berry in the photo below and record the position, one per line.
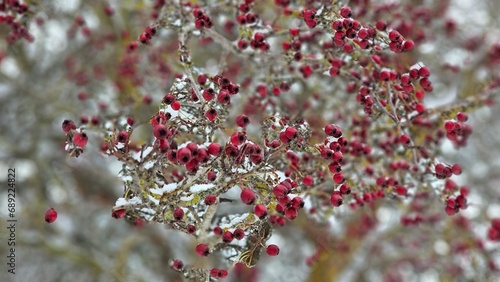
(260, 211)
(50, 215)
(424, 72)
(308, 181)
(456, 169)
(291, 213)
(336, 199)
(202, 79)
(161, 131)
(405, 139)
(247, 196)
(117, 214)
(168, 99)
(242, 44)
(210, 200)
(462, 117)
(122, 137)
(208, 94)
(80, 139)
(227, 237)
(178, 265)
(291, 132)
(239, 234)
(214, 149)
(176, 106)
(202, 250)
(211, 114)
(338, 178)
(184, 155)
(272, 250)
(68, 125)
(178, 214)
(217, 230)
(191, 229)
(223, 97)
(242, 120)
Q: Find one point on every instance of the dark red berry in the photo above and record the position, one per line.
(272, 250)
(50, 215)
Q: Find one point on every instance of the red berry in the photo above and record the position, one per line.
(291, 213)
(450, 211)
(122, 137)
(405, 139)
(242, 120)
(169, 98)
(456, 169)
(80, 139)
(223, 97)
(176, 105)
(260, 211)
(272, 250)
(336, 199)
(291, 132)
(227, 237)
(408, 45)
(202, 79)
(211, 176)
(50, 215)
(338, 178)
(208, 94)
(424, 72)
(202, 250)
(210, 200)
(217, 230)
(259, 37)
(161, 131)
(280, 191)
(191, 229)
(214, 149)
(346, 12)
(211, 114)
(420, 108)
(68, 125)
(117, 214)
(178, 264)
(394, 35)
(239, 234)
(247, 196)
(178, 214)
(184, 155)
(462, 117)
(308, 180)
(242, 44)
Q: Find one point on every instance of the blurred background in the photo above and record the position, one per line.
(41, 84)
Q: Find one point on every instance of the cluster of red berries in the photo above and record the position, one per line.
(258, 42)
(246, 17)
(457, 131)
(445, 171)
(398, 44)
(454, 205)
(146, 36)
(18, 29)
(202, 19)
